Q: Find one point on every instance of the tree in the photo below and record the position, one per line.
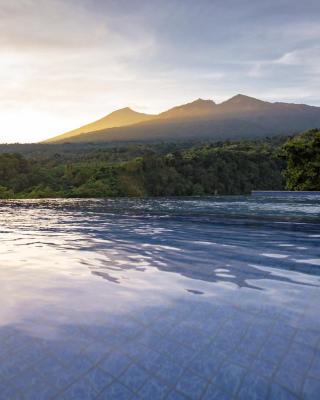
(302, 154)
(6, 193)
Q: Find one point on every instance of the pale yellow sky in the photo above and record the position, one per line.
(67, 63)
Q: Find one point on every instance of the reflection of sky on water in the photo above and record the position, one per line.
(160, 299)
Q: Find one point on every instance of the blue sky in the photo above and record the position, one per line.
(66, 63)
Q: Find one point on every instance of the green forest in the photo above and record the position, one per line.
(161, 169)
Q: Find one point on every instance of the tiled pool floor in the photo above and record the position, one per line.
(96, 305)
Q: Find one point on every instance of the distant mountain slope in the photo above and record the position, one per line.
(239, 117)
(122, 117)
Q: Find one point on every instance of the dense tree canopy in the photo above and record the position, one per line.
(144, 170)
(302, 154)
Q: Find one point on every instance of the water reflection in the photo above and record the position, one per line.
(197, 250)
(196, 300)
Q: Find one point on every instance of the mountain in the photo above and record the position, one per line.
(198, 108)
(122, 117)
(237, 118)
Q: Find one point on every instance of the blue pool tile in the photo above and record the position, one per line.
(133, 349)
(130, 329)
(15, 343)
(25, 379)
(253, 340)
(153, 389)
(223, 312)
(211, 327)
(294, 367)
(163, 325)
(226, 340)
(34, 353)
(99, 379)
(200, 342)
(263, 368)
(284, 330)
(166, 346)
(61, 378)
(65, 352)
(81, 364)
(149, 360)
(150, 339)
(96, 352)
(47, 365)
(180, 312)
(11, 367)
(169, 372)
(72, 331)
(279, 393)
(80, 390)
(134, 377)
(315, 366)
(191, 385)
(268, 311)
(311, 389)
(229, 377)
(187, 336)
(40, 391)
(183, 355)
(207, 363)
(114, 342)
(151, 314)
(195, 321)
(289, 379)
(115, 364)
(101, 333)
(237, 327)
(242, 358)
(292, 316)
(309, 337)
(299, 358)
(10, 393)
(253, 387)
(215, 393)
(116, 391)
(274, 349)
(174, 395)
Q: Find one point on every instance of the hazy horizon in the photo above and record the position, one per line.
(68, 63)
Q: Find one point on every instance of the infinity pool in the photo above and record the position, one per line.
(200, 298)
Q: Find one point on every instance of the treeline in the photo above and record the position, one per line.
(163, 169)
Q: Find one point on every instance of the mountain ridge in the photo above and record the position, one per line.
(239, 117)
(121, 117)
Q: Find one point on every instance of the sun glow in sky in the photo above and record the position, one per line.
(64, 63)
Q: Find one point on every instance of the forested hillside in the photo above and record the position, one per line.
(165, 169)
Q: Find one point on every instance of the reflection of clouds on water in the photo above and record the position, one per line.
(312, 261)
(274, 255)
(205, 258)
(197, 248)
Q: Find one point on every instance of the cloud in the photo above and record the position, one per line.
(61, 25)
(71, 61)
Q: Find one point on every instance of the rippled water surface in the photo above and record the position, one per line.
(200, 298)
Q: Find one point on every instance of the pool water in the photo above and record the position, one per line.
(200, 298)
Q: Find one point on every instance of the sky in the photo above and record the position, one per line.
(64, 63)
